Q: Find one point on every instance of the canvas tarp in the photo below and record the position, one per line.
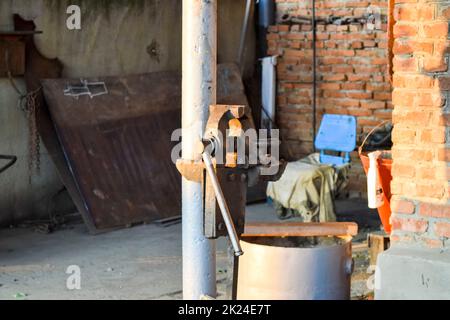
(307, 189)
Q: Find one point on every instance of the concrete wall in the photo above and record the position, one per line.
(117, 37)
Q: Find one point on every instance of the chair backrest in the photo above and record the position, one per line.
(336, 133)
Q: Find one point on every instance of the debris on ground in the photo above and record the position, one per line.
(20, 295)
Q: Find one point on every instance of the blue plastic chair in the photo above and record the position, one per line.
(337, 133)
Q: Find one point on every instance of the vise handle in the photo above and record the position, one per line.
(226, 214)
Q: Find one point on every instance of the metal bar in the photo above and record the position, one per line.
(233, 273)
(222, 205)
(391, 38)
(244, 32)
(314, 31)
(199, 87)
(295, 229)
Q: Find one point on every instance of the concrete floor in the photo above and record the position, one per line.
(143, 262)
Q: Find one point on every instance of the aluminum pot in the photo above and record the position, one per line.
(289, 269)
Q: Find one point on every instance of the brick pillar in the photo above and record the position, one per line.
(421, 82)
(418, 264)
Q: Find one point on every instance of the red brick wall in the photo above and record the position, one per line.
(352, 73)
(421, 209)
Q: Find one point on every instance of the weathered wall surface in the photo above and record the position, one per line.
(19, 198)
(117, 37)
(351, 71)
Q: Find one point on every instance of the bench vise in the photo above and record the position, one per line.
(231, 161)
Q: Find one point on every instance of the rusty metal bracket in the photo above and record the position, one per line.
(225, 121)
(191, 170)
(217, 113)
(223, 118)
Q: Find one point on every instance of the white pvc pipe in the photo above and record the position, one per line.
(268, 95)
(199, 92)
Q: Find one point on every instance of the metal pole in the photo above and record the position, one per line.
(244, 32)
(314, 45)
(199, 92)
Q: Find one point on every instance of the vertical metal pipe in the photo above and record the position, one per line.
(244, 32)
(314, 32)
(266, 18)
(199, 92)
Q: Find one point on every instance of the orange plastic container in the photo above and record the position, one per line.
(384, 173)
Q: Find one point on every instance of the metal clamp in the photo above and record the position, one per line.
(227, 218)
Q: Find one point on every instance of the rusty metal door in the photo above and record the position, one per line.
(118, 145)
